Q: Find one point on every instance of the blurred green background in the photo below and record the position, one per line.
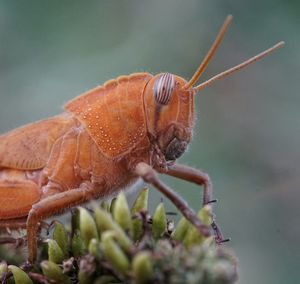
(247, 132)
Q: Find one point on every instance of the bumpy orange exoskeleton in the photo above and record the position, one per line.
(130, 127)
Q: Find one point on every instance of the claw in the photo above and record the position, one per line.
(46, 226)
(170, 213)
(212, 201)
(224, 241)
(218, 234)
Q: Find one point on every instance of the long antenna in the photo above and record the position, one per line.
(238, 67)
(210, 53)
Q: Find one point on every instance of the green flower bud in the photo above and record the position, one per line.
(137, 226)
(159, 221)
(140, 204)
(53, 272)
(20, 276)
(193, 236)
(142, 267)
(61, 237)
(114, 253)
(55, 253)
(93, 247)
(181, 229)
(77, 244)
(122, 214)
(88, 229)
(105, 222)
(205, 215)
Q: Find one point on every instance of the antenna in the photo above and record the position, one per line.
(210, 53)
(238, 67)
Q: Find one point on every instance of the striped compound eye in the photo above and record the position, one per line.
(163, 88)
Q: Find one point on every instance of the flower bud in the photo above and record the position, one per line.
(77, 244)
(20, 276)
(159, 221)
(140, 204)
(55, 253)
(93, 248)
(205, 215)
(142, 267)
(105, 222)
(122, 214)
(61, 237)
(193, 236)
(53, 272)
(181, 229)
(114, 253)
(88, 229)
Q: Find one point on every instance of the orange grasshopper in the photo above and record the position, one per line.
(130, 127)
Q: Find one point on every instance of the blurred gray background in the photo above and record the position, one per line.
(247, 132)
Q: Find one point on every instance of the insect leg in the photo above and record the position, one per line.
(10, 240)
(17, 224)
(150, 176)
(13, 224)
(198, 177)
(195, 176)
(49, 206)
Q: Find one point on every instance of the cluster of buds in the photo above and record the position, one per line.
(115, 244)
